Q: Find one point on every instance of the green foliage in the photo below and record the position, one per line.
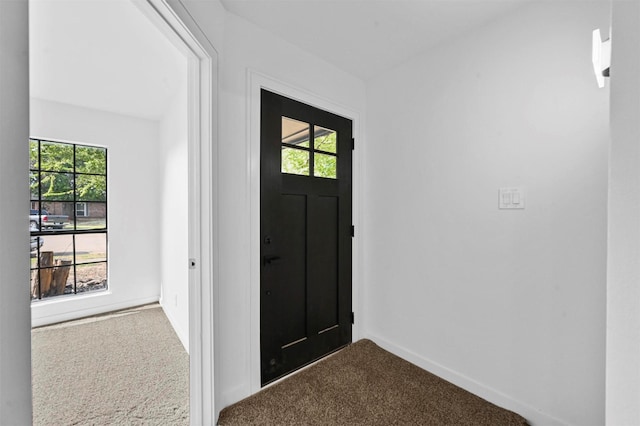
(91, 188)
(296, 161)
(325, 165)
(57, 180)
(33, 154)
(56, 157)
(326, 143)
(91, 160)
(56, 186)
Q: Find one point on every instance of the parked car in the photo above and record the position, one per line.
(48, 220)
(35, 242)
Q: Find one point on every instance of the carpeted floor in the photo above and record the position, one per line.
(366, 385)
(125, 368)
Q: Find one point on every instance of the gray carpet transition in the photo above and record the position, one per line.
(125, 368)
(366, 385)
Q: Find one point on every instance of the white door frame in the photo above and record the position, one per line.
(178, 25)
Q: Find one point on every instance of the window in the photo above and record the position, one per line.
(67, 218)
(81, 210)
(300, 158)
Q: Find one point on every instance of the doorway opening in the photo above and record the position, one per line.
(192, 162)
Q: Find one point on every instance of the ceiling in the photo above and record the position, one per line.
(107, 55)
(366, 37)
(104, 55)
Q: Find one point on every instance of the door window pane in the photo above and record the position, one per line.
(295, 161)
(324, 139)
(324, 165)
(295, 147)
(295, 132)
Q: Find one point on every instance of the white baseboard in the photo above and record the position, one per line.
(183, 335)
(232, 396)
(74, 307)
(533, 416)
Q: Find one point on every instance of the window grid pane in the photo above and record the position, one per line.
(300, 157)
(325, 140)
(295, 161)
(325, 165)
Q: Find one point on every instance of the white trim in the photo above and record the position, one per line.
(62, 140)
(176, 22)
(182, 334)
(533, 416)
(67, 314)
(255, 82)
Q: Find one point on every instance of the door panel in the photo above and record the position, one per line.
(323, 263)
(293, 309)
(305, 300)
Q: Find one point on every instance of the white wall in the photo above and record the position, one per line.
(509, 304)
(173, 216)
(249, 48)
(15, 320)
(623, 292)
(133, 205)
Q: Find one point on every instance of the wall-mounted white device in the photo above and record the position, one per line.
(511, 198)
(601, 57)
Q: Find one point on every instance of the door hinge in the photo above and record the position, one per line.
(353, 231)
(353, 144)
(353, 318)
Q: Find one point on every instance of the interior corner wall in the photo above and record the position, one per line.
(133, 206)
(249, 48)
(509, 304)
(623, 292)
(173, 215)
(15, 320)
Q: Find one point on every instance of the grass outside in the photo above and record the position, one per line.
(86, 224)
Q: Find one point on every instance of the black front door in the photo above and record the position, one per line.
(305, 299)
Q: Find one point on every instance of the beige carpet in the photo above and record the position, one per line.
(125, 368)
(366, 385)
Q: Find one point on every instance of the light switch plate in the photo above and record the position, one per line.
(511, 198)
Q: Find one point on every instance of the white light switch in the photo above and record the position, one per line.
(511, 198)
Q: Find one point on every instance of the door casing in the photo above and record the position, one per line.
(202, 92)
